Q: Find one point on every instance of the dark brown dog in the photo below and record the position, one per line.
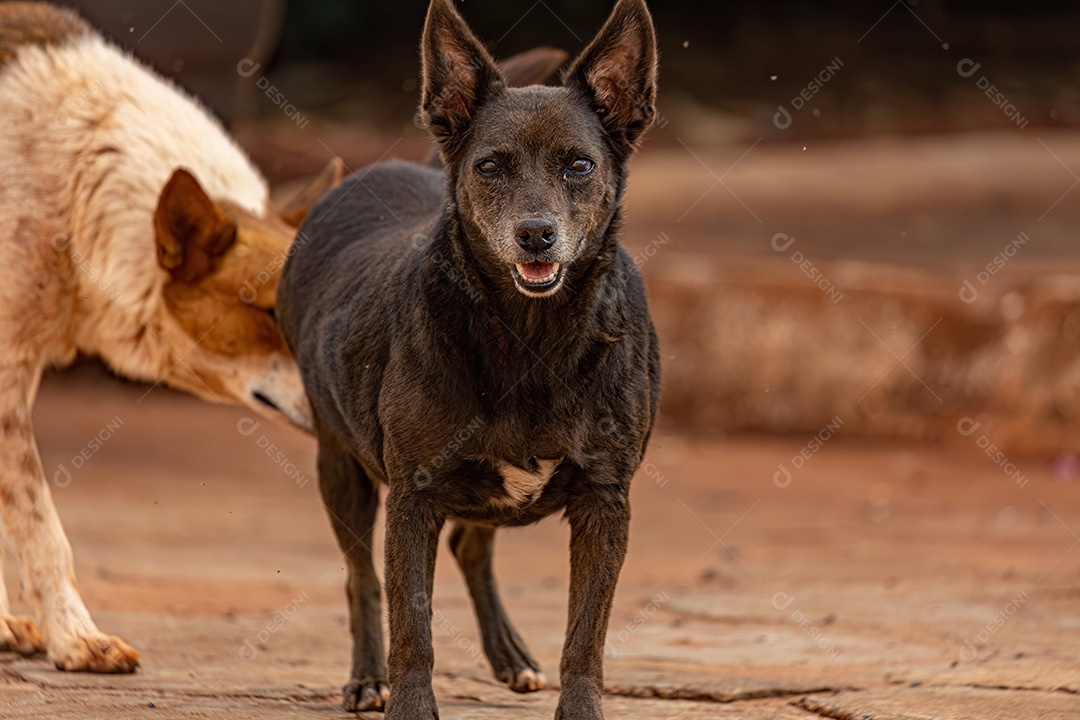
(479, 341)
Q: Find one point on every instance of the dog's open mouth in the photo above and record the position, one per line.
(537, 278)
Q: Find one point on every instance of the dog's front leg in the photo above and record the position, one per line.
(72, 640)
(599, 528)
(19, 634)
(412, 541)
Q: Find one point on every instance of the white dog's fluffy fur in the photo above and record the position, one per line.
(92, 202)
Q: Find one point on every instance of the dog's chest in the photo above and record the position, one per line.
(522, 485)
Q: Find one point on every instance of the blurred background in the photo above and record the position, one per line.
(357, 60)
(854, 210)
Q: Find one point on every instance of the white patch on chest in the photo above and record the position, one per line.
(523, 485)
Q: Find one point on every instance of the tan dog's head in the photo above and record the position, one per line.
(224, 264)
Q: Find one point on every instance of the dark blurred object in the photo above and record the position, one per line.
(199, 43)
(736, 61)
(739, 58)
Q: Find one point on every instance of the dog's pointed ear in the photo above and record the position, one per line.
(295, 209)
(617, 72)
(191, 229)
(459, 74)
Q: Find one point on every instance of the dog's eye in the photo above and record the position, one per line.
(487, 168)
(581, 166)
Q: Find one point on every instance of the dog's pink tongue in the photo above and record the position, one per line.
(536, 271)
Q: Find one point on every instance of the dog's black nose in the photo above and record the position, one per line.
(535, 234)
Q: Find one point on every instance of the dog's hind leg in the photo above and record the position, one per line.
(352, 499)
(473, 546)
(72, 640)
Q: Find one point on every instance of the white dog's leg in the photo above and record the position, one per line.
(16, 633)
(72, 640)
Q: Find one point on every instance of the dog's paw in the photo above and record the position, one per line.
(523, 680)
(412, 703)
(365, 695)
(514, 664)
(586, 711)
(579, 700)
(97, 654)
(21, 635)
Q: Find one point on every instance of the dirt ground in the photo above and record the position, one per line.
(881, 581)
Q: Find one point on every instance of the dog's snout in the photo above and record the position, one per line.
(535, 234)
(264, 400)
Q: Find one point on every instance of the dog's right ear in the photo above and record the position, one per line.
(459, 74)
(191, 229)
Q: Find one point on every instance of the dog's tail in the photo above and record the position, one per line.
(531, 67)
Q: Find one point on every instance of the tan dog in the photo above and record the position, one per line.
(133, 229)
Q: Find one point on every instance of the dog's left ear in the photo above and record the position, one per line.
(191, 229)
(617, 72)
(295, 209)
(459, 74)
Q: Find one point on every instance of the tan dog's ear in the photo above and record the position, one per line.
(296, 208)
(532, 67)
(191, 229)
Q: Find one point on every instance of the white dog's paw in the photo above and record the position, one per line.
(20, 634)
(97, 654)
